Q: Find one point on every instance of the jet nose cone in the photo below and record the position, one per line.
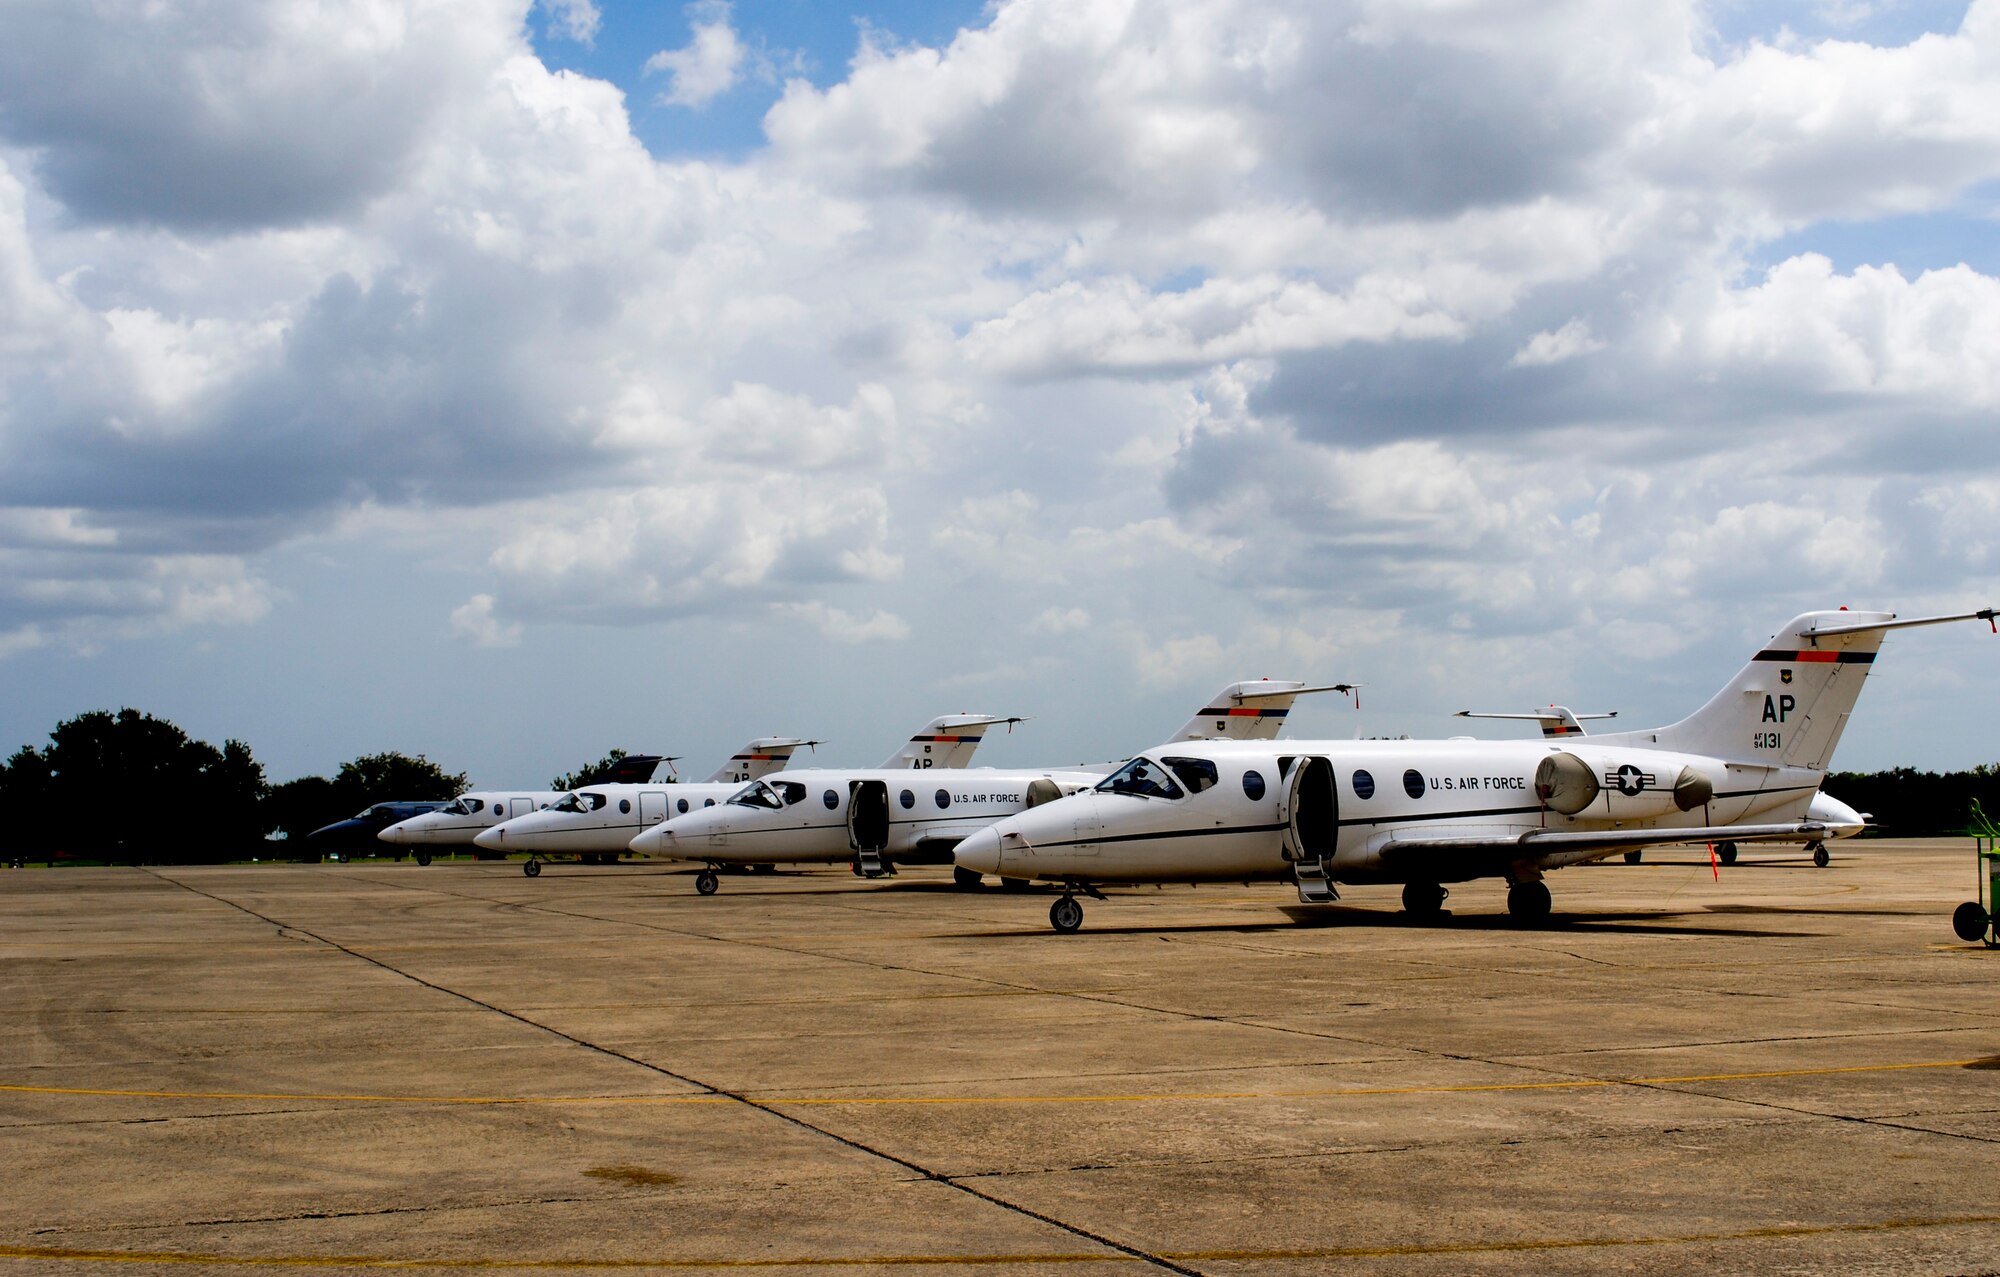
(980, 852)
(494, 839)
(656, 841)
(396, 834)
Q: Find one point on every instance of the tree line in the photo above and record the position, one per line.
(127, 786)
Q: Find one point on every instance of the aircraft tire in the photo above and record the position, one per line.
(422, 857)
(1820, 856)
(1066, 915)
(1529, 901)
(1634, 857)
(1423, 899)
(965, 879)
(1969, 921)
(532, 868)
(706, 882)
(1726, 853)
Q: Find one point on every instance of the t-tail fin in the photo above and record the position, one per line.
(947, 741)
(1790, 704)
(759, 758)
(1251, 710)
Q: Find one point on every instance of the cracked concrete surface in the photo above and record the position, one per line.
(354, 1066)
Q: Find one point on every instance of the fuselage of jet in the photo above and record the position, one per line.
(830, 815)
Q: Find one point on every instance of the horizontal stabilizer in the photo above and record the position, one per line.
(1540, 842)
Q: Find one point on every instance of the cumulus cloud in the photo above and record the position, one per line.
(708, 66)
(227, 115)
(1460, 316)
(574, 19)
(845, 627)
(474, 620)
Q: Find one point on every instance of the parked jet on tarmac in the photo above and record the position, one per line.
(876, 819)
(598, 822)
(456, 824)
(1743, 768)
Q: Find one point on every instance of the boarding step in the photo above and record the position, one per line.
(1314, 886)
(873, 866)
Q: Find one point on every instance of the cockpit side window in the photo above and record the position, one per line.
(1143, 778)
(1196, 773)
(792, 791)
(570, 802)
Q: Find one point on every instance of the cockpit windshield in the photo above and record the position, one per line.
(756, 794)
(463, 807)
(1143, 778)
(772, 794)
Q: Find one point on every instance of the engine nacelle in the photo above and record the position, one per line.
(1621, 784)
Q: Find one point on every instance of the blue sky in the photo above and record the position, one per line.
(1061, 359)
(793, 38)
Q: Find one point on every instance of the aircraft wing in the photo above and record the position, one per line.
(1537, 842)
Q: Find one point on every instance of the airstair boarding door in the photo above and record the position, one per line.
(1312, 827)
(652, 807)
(868, 815)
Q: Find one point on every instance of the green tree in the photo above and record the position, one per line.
(393, 776)
(297, 807)
(590, 773)
(128, 786)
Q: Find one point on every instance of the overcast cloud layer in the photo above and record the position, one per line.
(1113, 351)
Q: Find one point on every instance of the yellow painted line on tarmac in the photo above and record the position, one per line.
(50, 1253)
(1568, 1084)
(1331, 1093)
(299, 1097)
(1780, 1232)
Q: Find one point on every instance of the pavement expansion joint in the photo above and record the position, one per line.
(858, 1145)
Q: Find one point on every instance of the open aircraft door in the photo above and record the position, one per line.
(1312, 826)
(868, 815)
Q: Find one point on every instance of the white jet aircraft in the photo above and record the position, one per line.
(876, 819)
(600, 821)
(1743, 768)
(458, 823)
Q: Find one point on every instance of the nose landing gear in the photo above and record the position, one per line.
(1066, 914)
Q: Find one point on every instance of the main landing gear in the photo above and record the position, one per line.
(1529, 902)
(1424, 900)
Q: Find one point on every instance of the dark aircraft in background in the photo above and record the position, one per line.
(344, 838)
